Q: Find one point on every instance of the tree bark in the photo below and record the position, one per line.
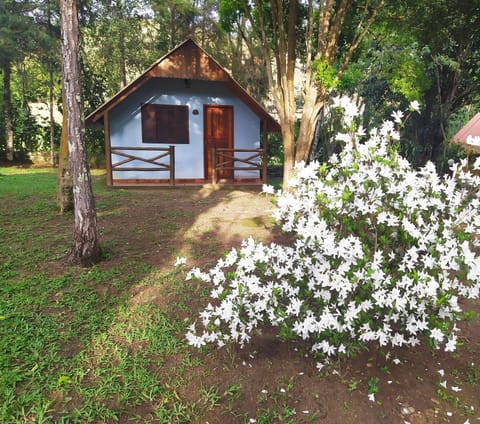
(86, 247)
(308, 121)
(7, 107)
(288, 135)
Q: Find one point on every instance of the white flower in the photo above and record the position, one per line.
(451, 345)
(374, 240)
(414, 106)
(345, 138)
(437, 335)
(397, 116)
(371, 397)
(456, 389)
(194, 340)
(476, 164)
(181, 260)
(473, 140)
(351, 110)
(268, 189)
(361, 131)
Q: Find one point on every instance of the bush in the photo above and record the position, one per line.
(382, 254)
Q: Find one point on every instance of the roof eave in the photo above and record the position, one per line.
(97, 115)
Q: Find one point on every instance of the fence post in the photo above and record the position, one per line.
(264, 166)
(108, 151)
(214, 165)
(172, 165)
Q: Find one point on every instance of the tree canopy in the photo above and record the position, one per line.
(293, 56)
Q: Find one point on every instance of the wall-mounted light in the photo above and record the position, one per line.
(195, 111)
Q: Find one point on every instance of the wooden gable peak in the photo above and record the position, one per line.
(186, 61)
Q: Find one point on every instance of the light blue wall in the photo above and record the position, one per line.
(126, 125)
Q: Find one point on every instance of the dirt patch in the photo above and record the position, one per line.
(199, 223)
(270, 380)
(273, 377)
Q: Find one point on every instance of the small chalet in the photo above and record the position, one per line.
(469, 135)
(184, 120)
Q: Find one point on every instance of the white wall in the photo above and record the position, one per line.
(126, 125)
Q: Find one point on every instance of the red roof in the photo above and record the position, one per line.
(472, 128)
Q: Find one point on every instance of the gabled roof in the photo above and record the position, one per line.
(187, 61)
(472, 128)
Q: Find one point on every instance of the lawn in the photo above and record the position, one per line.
(106, 344)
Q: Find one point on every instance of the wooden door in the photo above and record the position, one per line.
(218, 132)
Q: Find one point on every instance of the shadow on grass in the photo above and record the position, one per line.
(106, 344)
(89, 344)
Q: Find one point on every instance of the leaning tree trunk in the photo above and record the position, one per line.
(7, 107)
(86, 247)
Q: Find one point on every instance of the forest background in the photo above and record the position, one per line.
(408, 50)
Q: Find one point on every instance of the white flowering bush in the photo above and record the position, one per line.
(382, 253)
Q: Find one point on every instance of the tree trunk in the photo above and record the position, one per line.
(64, 177)
(7, 107)
(288, 135)
(86, 247)
(308, 122)
(277, 35)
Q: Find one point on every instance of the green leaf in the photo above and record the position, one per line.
(63, 379)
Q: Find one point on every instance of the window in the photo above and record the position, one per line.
(165, 124)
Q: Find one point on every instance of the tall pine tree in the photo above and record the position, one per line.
(86, 246)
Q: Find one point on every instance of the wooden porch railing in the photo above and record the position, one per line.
(166, 152)
(225, 159)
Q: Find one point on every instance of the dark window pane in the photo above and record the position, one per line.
(165, 124)
(149, 126)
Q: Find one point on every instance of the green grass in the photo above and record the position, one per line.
(70, 352)
(74, 346)
(59, 338)
(106, 344)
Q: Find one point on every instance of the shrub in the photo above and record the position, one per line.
(381, 254)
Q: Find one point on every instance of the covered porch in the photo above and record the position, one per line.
(161, 161)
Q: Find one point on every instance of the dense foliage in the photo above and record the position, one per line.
(382, 253)
(403, 56)
(427, 51)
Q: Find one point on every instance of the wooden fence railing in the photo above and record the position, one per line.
(225, 159)
(153, 161)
